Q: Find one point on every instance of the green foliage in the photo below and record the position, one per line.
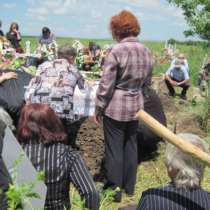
(172, 41)
(77, 202)
(19, 194)
(41, 176)
(197, 15)
(106, 198)
(206, 113)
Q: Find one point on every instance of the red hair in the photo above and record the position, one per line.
(40, 122)
(123, 25)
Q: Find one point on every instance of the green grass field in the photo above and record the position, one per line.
(152, 173)
(194, 53)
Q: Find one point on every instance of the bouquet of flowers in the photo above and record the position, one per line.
(48, 51)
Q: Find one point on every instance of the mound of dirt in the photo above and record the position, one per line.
(91, 142)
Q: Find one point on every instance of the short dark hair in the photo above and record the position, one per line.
(39, 123)
(45, 30)
(14, 24)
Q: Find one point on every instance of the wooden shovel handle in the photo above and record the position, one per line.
(169, 136)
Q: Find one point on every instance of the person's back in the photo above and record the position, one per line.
(173, 198)
(134, 58)
(54, 85)
(134, 65)
(42, 136)
(60, 165)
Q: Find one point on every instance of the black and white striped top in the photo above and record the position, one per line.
(172, 198)
(62, 166)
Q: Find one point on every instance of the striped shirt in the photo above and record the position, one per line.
(126, 67)
(172, 198)
(62, 166)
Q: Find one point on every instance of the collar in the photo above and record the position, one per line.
(130, 39)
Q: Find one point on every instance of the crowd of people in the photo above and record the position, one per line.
(46, 127)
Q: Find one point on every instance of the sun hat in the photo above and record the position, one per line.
(181, 56)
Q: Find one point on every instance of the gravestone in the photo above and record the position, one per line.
(26, 173)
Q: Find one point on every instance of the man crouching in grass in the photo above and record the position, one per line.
(177, 76)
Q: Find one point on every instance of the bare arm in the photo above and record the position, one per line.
(183, 82)
(173, 82)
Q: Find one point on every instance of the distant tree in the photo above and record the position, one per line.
(197, 15)
(172, 41)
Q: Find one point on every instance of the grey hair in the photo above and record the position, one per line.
(67, 52)
(189, 169)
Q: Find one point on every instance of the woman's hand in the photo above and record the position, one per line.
(97, 118)
(7, 76)
(15, 31)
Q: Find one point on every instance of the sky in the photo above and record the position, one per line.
(90, 18)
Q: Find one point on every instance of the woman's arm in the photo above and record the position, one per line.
(33, 85)
(107, 84)
(83, 181)
(7, 76)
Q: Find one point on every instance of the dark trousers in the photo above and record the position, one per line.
(184, 87)
(121, 156)
(72, 130)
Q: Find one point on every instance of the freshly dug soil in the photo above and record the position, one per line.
(90, 137)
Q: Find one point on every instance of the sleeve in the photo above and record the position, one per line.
(83, 182)
(34, 83)
(20, 37)
(9, 36)
(186, 74)
(108, 81)
(187, 65)
(143, 203)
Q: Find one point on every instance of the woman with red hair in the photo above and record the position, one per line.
(42, 137)
(127, 66)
